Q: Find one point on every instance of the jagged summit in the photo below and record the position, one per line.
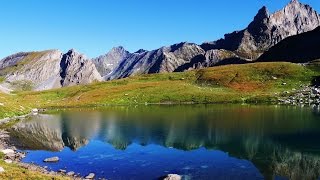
(267, 30)
(71, 51)
(294, 2)
(262, 14)
(118, 49)
(106, 63)
(140, 51)
(75, 52)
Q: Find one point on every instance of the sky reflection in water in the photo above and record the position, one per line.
(201, 142)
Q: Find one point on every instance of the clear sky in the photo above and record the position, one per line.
(95, 26)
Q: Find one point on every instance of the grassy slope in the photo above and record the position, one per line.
(224, 84)
(13, 171)
(12, 107)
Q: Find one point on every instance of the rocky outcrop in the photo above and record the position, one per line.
(309, 96)
(301, 48)
(47, 70)
(12, 60)
(76, 69)
(267, 30)
(222, 57)
(107, 63)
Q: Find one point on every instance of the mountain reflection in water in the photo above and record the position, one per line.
(279, 141)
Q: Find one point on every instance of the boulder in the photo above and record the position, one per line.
(173, 177)
(8, 161)
(71, 173)
(315, 91)
(90, 176)
(7, 151)
(52, 159)
(62, 171)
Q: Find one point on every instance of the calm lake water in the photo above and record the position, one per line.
(197, 141)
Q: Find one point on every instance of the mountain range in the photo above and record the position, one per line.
(269, 37)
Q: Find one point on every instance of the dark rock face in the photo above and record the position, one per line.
(301, 48)
(267, 30)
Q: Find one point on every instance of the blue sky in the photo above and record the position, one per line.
(95, 26)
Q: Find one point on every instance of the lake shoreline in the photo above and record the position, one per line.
(12, 156)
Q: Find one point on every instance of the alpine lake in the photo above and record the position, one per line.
(194, 141)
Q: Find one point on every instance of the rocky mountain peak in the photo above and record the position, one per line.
(71, 51)
(262, 14)
(266, 30)
(140, 51)
(73, 55)
(294, 6)
(294, 2)
(119, 49)
(294, 19)
(106, 63)
(77, 69)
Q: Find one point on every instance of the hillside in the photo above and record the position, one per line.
(249, 83)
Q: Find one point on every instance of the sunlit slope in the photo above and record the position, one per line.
(257, 83)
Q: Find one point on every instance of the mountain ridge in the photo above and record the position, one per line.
(239, 47)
